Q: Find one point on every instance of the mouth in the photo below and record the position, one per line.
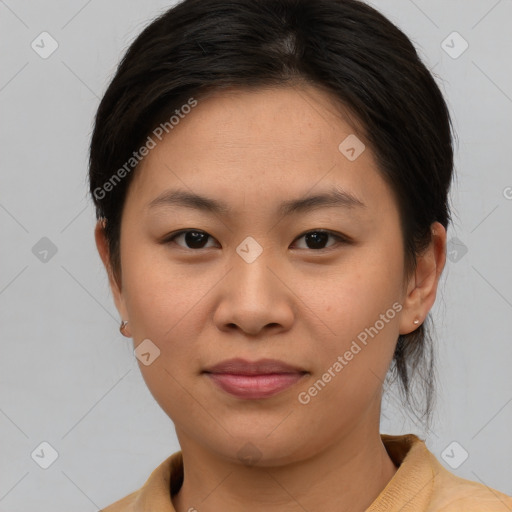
(254, 380)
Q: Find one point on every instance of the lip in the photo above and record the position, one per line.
(254, 380)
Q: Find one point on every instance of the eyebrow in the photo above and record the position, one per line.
(333, 198)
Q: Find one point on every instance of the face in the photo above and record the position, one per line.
(319, 286)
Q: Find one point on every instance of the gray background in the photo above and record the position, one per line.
(69, 378)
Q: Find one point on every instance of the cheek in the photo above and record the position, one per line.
(158, 293)
(360, 309)
(164, 304)
(365, 286)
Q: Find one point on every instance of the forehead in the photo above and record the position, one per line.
(259, 146)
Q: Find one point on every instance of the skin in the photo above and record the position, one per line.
(296, 303)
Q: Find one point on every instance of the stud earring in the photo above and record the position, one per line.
(416, 321)
(122, 328)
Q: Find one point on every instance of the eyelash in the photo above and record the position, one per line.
(341, 238)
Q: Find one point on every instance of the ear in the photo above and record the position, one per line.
(422, 285)
(102, 245)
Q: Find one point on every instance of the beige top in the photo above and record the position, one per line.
(421, 484)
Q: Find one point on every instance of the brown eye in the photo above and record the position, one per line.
(317, 239)
(193, 239)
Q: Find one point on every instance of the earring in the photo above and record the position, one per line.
(122, 328)
(416, 321)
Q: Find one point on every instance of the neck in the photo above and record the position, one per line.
(347, 475)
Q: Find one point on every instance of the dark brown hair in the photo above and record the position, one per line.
(344, 47)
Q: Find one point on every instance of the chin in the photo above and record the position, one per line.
(260, 449)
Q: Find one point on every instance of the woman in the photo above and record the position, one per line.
(271, 182)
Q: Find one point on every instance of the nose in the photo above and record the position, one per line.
(254, 298)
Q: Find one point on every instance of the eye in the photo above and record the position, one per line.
(194, 239)
(316, 239)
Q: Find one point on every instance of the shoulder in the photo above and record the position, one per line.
(451, 493)
(156, 492)
(423, 484)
